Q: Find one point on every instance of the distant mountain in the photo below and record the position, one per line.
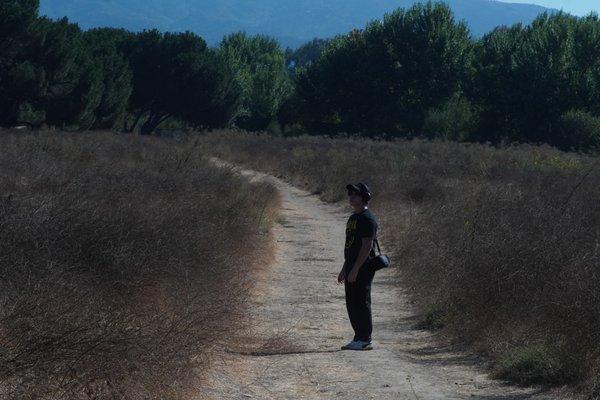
(293, 22)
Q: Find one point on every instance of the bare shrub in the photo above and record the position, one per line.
(123, 261)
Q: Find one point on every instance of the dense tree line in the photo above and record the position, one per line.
(385, 78)
(417, 72)
(54, 74)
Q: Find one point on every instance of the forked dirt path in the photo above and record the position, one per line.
(300, 322)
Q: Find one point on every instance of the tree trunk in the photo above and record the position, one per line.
(134, 124)
(152, 123)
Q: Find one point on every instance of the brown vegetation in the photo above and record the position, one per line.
(122, 262)
(501, 247)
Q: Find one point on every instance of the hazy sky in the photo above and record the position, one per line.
(578, 7)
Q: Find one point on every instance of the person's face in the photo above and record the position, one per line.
(355, 201)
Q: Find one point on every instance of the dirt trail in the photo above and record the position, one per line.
(301, 323)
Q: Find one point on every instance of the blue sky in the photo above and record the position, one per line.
(577, 7)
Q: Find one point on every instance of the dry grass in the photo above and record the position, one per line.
(122, 262)
(499, 246)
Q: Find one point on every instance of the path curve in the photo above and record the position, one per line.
(300, 322)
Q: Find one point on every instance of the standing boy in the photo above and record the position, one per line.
(361, 231)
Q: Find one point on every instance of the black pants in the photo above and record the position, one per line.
(358, 303)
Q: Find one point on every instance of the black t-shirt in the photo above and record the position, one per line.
(359, 226)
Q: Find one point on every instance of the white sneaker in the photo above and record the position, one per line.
(358, 345)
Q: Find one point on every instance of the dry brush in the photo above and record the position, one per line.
(123, 261)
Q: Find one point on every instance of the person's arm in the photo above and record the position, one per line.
(342, 275)
(363, 254)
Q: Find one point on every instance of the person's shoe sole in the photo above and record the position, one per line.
(366, 348)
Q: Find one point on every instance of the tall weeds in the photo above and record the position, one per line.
(123, 261)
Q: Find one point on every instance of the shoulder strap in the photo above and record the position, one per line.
(377, 244)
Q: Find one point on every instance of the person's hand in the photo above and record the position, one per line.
(353, 275)
(342, 276)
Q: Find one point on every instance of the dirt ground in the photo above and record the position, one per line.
(300, 322)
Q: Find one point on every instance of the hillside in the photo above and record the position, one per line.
(292, 22)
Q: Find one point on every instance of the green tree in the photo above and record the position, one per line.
(456, 120)
(116, 76)
(16, 17)
(382, 80)
(305, 54)
(527, 78)
(261, 71)
(177, 75)
(46, 73)
(71, 89)
(578, 130)
(19, 79)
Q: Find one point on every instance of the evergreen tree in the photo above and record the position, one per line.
(177, 75)
(71, 88)
(19, 79)
(116, 76)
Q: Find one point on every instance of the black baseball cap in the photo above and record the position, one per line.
(360, 188)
